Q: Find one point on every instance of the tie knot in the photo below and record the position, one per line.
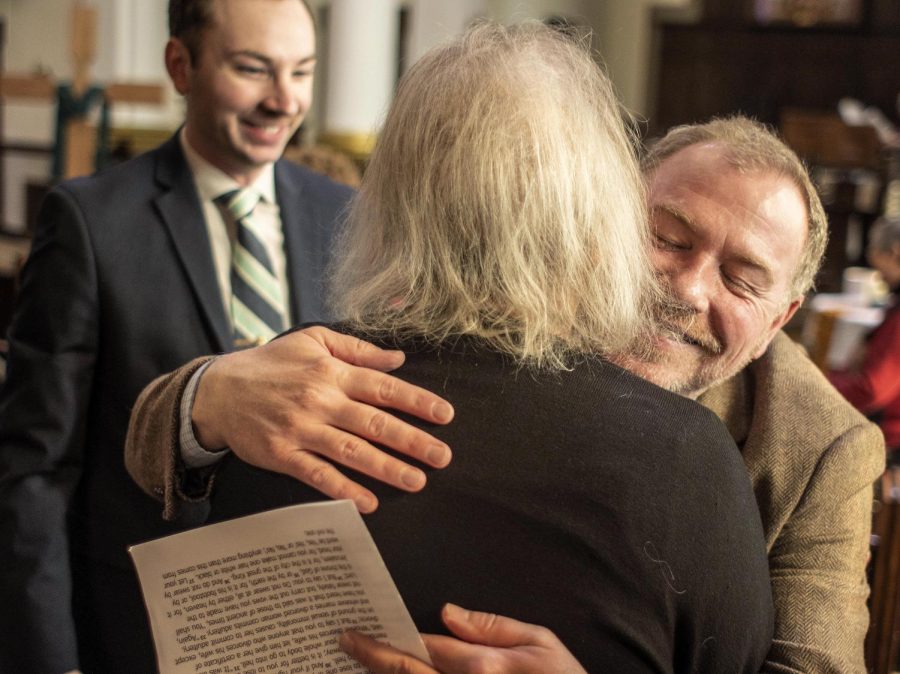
(239, 203)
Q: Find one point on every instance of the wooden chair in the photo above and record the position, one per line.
(883, 639)
(818, 336)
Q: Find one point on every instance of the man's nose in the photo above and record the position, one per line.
(283, 97)
(693, 284)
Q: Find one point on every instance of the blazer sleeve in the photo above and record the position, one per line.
(818, 562)
(43, 404)
(153, 450)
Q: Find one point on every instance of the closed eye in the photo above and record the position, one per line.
(740, 286)
(663, 243)
(251, 71)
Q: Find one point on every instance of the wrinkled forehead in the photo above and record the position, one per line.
(691, 164)
(706, 176)
(758, 209)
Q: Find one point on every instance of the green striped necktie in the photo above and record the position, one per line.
(257, 300)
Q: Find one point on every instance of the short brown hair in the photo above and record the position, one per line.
(189, 18)
(749, 146)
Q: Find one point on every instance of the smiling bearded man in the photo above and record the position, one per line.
(730, 230)
(740, 234)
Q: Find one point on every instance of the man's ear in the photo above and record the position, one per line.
(178, 64)
(777, 323)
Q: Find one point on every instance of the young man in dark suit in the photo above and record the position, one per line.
(133, 272)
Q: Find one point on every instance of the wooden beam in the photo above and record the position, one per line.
(84, 45)
(36, 87)
(135, 93)
(81, 149)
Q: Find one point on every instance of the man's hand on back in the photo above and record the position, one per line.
(313, 395)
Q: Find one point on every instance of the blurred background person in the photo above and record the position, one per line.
(872, 384)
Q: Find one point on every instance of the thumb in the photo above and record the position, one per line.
(490, 629)
(357, 351)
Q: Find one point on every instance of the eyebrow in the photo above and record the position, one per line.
(268, 59)
(745, 260)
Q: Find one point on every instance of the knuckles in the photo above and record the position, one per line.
(377, 425)
(388, 389)
(323, 369)
(405, 666)
(310, 395)
(349, 451)
(318, 476)
(361, 348)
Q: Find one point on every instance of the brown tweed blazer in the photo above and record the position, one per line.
(812, 460)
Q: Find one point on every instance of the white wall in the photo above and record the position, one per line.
(625, 38)
(130, 39)
(433, 21)
(622, 31)
(131, 35)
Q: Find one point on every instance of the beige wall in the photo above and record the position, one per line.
(625, 37)
(622, 31)
(131, 34)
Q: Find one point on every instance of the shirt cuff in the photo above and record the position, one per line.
(193, 455)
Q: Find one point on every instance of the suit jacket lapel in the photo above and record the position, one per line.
(180, 210)
(302, 247)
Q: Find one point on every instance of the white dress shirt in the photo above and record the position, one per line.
(211, 183)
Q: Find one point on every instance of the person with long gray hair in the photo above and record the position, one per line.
(500, 239)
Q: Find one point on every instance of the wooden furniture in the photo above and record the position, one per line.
(724, 62)
(79, 135)
(883, 640)
(822, 329)
(710, 69)
(848, 165)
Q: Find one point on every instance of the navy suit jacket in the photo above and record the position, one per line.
(120, 287)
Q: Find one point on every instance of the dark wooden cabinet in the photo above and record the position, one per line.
(875, 14)
(717, 69)
(726, 63)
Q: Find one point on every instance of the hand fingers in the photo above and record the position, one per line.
(490, 629)
(354, 350)
(383, 390)
(378, 426)
(323, 477)
(353, 452)
(380, 658)
(452, 656)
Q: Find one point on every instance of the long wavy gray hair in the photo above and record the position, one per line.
(503, 200)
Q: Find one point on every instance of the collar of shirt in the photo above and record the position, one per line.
(212, 182)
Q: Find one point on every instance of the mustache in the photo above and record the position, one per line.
(678, 320)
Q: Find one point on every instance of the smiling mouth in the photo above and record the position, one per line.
(681, 336)
(268, 128)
